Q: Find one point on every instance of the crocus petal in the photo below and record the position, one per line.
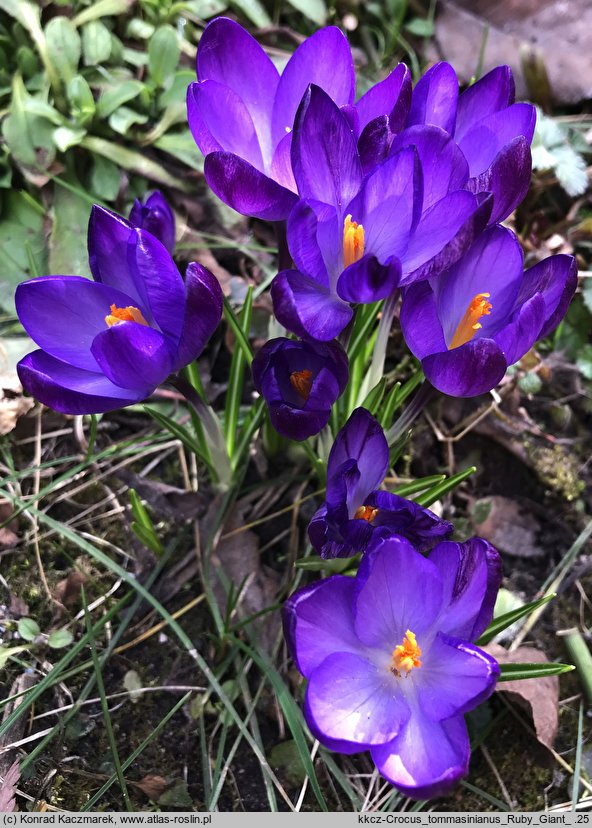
(325, 158)
(481, 144)
(361, 439)
(281, 164)
(338, 745)
(391, 97)
(306, 308)
(245, 189)
(428, 758)
(472, 575)
(492, 265)
(492, 92)
(318, 621)
(367, 280)
(473, 369)
(400, 591)
(203, 311)
(133, 356)
(69, 389)
(297, 424)
(454, 677)
(556, 279)
(63, 314)
(435, 98)
(443, 234)
(443, 166)
(419, 321)
(354, 700)
(219, 119)
(323, 59)
(388, 204)
(109, 239)
(523, 329)
(156, 216)
(374, 143)
(302, 233)
(508, 178)
(229, 55)
(410, 520)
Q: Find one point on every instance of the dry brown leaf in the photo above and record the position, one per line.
(540, 696)
(67, 591)
(152, 785)
(12, 403)
(501, 521)
(8, 788)
(558, 32)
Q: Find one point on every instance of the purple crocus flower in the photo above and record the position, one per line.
(110, 342)
(241, 111)
(355, 511)
(484, 313)
(492, 132)
(156, 216)
(389, 659)
(300, 381)
(356, 238)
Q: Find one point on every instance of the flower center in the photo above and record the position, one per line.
(406, 656)
(301, 382)
(366, 513)
(353, 241)
(129, 314)
(469, 324)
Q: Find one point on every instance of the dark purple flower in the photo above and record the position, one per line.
(484, 313)
(355, 510)
(156, 216)
(241, 112)
(356, 238)
(389, 659)
(492, 132)
(110, 342)
(300, 381)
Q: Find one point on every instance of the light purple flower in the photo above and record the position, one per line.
(110, 342)
(484, 313)
(355, 511)
(156, 216)
(241, 111)
(389, 659)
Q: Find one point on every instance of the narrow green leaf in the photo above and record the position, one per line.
(143, 526)
(390, 406)
(7, 653)
(136, 162)
(315, 10)
(236, 377)
(419, 485)
(516, 672)
(102, 8)
(374, 397)
(443, 488)
(331, 565)
(237, 330)
(183, 435)
(508, 618)
(255, 11)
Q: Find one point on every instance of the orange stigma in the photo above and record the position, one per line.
(353, 241)
(301, 382)
(366, 513)
(129, 314)
(406, 656)
(469, 324)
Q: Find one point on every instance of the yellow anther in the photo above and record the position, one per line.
(366, 513)
(129, 314)
(353, 241)
(301, 382)
(469, 324)
(406, 656)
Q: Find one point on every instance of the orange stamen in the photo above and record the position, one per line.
(406, 656)
(366, 513)
(469, 324)
(129, 314)
(353, 241)
(301, 382)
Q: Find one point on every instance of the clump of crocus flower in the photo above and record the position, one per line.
(110, 342)
(155, 215)
(484, 313)
(356, 511)
(389, 657)
(300, 381)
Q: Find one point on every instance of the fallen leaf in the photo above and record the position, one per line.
(556, 32)
(67, 591)
(540, 696)
(501, 521)
(177, 796)
(153, 786)
(8, 788)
